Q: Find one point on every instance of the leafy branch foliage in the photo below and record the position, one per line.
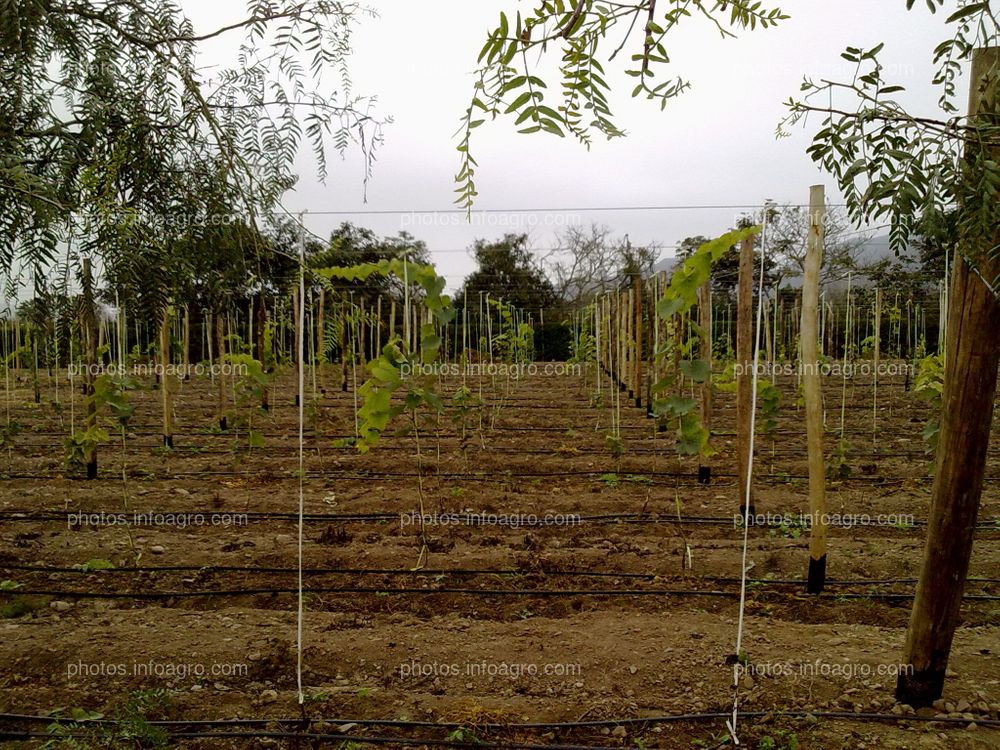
(110, 391)
(895, 166)
(507, 85)
(395, 365)
(116, 140)
(679, 297)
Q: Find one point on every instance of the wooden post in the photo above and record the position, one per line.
(89, 315)
(970, 382)
(877, 360)
(343, 346)
(298, 321)
(220, 360)
(744, 364)
(166, 382)
(320, 328)
(186, 349)
(638, 342)
(260, 344)
(811, 389)
(705, 323)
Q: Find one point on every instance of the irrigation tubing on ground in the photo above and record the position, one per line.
(514, 726)
(343, 738)
(784, 454)
(578, 520)
(397, 591)
(462, 572)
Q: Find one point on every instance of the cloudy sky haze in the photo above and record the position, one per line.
(715, 145)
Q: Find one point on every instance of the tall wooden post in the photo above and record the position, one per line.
(877, 360)
(321, 327)
(811, 389)
(166, 381)
(705, 323)
(744, 364)
(220, 360)
(637, 375)
(186, 347)
(970, 382)
(260, 345)
(344, 323)
(89, 321)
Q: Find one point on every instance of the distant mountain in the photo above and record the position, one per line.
(666, 264)
(874, 250)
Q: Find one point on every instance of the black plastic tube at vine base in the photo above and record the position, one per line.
(495, 727)
(597, 518)
(514, 726)
(461, 572)
(390, 591)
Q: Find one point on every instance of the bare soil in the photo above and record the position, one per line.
(629, 614)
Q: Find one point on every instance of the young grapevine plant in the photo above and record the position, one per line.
(678, 298)
(395, 367)
(111, 392)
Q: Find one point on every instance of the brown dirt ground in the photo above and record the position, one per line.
(387, 648)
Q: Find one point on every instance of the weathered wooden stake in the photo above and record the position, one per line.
(705, 323)
(812, 389)
(166, 382)
(89, 314)
(744, 364)
(220, 359)
(970, 382)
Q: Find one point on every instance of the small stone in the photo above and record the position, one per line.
(60, 606)
(157, 549)
(269, 696)
(972, 726)
(633, 669)
(962, 706)
(619, 732)
(181, 491)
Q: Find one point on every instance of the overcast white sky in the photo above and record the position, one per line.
(715, 145)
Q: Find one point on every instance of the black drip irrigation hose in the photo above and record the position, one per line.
(397, 591)
(434, 572)
(200, 729)
(880, 480)
(513, 726)
(495, 476)
(188, 451)
(526, 520)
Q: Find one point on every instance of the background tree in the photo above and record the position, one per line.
(110, 123)
(586, 263)
(507, 270)
(788, 230)
(350, 245)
